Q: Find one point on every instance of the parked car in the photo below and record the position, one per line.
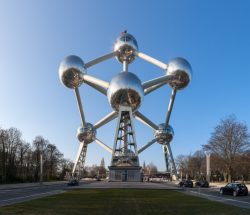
(234, 189)
(201, 184)
(186, 183)
(73, 182)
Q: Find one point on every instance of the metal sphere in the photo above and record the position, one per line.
(125, 46)
(86, 134)
(125, 89)
(164, 134)
(71, 71)
(181, 71)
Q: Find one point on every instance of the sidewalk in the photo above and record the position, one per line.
(23, 185)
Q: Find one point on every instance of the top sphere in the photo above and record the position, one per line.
(181, 71)
(71, 71)
(125, 46)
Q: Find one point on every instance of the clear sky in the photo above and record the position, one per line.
(214, 36)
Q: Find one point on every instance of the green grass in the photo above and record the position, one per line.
(121, 201)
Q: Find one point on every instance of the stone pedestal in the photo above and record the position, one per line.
(125, 173)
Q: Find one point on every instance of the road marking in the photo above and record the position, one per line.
(224, 199)
(37, 194)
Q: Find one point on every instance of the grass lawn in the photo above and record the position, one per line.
(121, 201)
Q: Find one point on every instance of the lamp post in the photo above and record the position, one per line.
(41, 168)
(208, 167)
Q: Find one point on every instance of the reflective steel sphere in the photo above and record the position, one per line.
(164, 135)
(71, 71)
(182, 72)
(125, 46)
(125, 89)
(86, 134)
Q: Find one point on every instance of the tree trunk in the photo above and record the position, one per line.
(229, 173)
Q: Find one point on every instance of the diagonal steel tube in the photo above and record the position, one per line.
(109, 117)
(103, 145)
(139, 116)
(151, 60)
(98, 84)
(153, 88)
(99, 59)
(146, 146)
(170, 106)
(156, 81)
(80, 107)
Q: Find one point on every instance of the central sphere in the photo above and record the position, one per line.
(125, 89)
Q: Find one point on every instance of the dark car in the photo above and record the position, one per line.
(73, 182)
(201, 184)
(234, 189)
(186, 183)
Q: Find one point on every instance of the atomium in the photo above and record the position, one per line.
(86, 134)
(71, 71)
(125, 93)
(164, 134)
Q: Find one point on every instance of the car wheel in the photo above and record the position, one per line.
(221, 192)
(246, 194)
(234, 193)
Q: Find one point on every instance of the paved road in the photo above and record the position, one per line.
(213, 194)
(12, 195)
(20, 193)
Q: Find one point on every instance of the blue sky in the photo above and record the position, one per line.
(214, 36)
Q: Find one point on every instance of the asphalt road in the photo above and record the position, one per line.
(12, 195)
(214, 195)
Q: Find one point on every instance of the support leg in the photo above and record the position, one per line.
(80, 160)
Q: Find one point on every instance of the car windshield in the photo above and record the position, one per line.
(241, 185)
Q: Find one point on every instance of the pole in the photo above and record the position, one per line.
(41, 168)
(208, 167)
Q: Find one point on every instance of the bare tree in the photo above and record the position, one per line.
(182, 165)
(21, 157)
(53, 157)
(3, 155)
(229, 139)
(150, 169)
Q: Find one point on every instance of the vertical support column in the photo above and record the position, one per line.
(125, 162)
(125, 147)
(125, 66)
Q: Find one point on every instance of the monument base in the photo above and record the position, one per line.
(125, 173)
